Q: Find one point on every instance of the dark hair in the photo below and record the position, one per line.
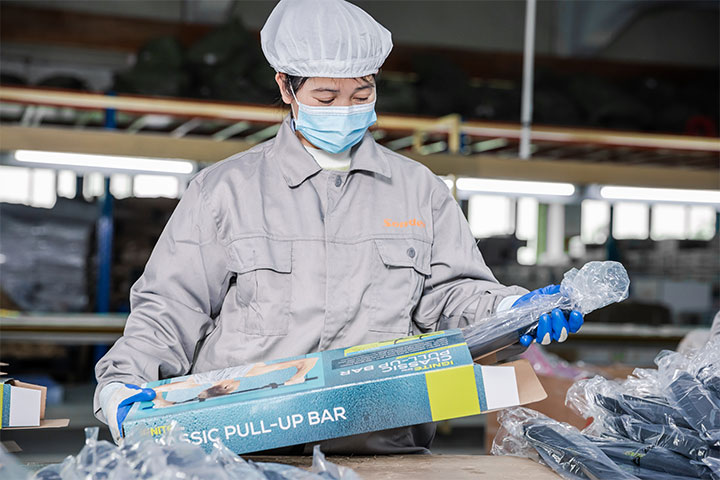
(214, 391)
(293, 84)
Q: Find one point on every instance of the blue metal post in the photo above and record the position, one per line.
(104, 250)
(104, 243)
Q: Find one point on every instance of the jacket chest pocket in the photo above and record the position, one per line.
(401, 267)
(263, 269)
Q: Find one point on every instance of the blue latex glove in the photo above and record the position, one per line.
(116, 400)
(554, 325)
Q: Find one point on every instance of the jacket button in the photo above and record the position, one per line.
(338, 181)
(411, 252)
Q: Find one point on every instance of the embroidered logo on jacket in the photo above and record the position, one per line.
(410, 223)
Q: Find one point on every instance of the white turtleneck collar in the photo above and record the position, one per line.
(331, 161)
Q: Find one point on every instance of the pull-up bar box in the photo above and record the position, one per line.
(335, 393)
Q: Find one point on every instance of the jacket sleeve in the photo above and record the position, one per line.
(461, 288)
(174, 301)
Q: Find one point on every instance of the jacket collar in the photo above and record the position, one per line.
(297, 165)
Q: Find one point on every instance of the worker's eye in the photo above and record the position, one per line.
(326, 102)
(359, 99)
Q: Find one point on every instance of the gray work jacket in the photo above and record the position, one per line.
(268, 256)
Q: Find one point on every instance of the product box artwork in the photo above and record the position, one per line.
(335, 393)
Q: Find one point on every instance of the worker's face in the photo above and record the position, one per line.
(320, 91)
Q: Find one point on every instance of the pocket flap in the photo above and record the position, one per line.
(405, 252)
(258, 253)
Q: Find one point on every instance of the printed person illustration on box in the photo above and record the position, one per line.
(203, 386)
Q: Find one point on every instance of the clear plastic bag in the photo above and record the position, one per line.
(170, 457)
(546, 363)
(97, 459)
(10, 468)
(706, 367)
(594, 286)
(582, 396)
(680, 440)
(598, 397)
(577, 455)
(684, 379)
(700, 409)
(561, 446)
(659, 423)
(650, 461)
(322, 466)
(713, 463)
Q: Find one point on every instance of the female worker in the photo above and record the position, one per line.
(317, 239)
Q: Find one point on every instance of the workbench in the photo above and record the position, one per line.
(430, 467)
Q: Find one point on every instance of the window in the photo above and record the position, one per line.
(28, 186)
(93, 185)
(701, 222)
(527, 218)
(491, 215)
(630, 220)
(66, 184)
(121, 185)
(15, 184)
(594, 221)
(44, 192)
(156, 186)
(526, 228)
(668, 221)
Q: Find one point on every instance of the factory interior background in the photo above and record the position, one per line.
(623, 164)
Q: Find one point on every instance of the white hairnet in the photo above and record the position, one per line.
(324, 38)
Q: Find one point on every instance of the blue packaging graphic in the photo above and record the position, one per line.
(334, 393)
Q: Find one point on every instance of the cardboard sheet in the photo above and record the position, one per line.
(52, 423)
(500, 387)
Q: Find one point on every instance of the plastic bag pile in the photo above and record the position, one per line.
(169, 457)
(659, 423)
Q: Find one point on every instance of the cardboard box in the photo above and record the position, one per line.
(554, 405)
(23, 405)
(336, 393)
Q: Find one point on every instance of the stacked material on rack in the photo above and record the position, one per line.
(142, 456)
(46, 255)
(137, 225)
(660, 423)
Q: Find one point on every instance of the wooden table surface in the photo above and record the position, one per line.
(427, 467)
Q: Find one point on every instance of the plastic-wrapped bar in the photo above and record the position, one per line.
(677, 439)
(595, 285)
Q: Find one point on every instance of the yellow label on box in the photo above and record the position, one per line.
(452, 393)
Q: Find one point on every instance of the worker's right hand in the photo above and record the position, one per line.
(116, 399)
(554, 325)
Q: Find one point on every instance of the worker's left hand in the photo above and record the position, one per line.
(554, 325)
(116, 399)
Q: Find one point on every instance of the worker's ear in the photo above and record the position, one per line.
(280, 79)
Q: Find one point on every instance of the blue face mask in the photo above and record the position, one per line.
(334, 129)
